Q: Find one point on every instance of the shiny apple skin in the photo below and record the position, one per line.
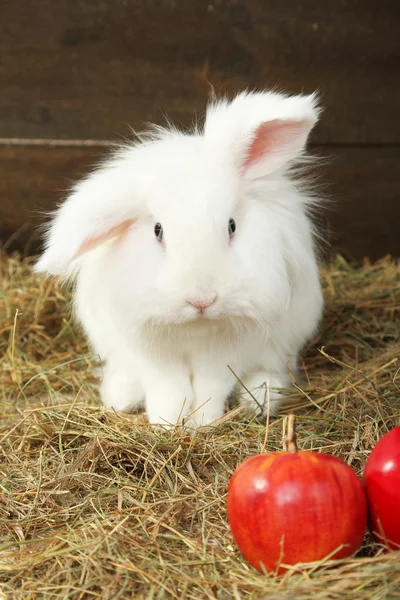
(382, 485)
(286, 508)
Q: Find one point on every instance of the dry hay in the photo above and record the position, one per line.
(99, 505)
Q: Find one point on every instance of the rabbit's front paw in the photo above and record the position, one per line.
(121, 391)
(205, 413)
(263, 386)
(166, 410)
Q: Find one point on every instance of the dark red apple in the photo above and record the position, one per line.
(295, 507)
(382, 485)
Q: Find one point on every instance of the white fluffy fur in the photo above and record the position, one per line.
(131, 293)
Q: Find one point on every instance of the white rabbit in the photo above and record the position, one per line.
(194, 259)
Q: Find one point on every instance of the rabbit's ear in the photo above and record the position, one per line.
(273, 145)
(263, 132)
(99, 208)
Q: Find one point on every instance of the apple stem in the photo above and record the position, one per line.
(289, 441)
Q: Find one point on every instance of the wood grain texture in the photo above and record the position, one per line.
(363, 183)
(91, 68)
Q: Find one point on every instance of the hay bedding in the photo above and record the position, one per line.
(99, 505)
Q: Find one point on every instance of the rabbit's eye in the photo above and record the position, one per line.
(231, 227)
(159, 232)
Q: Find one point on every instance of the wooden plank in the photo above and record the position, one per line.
(33, 179)
(363, 186)
(363, 182)
(88, 69)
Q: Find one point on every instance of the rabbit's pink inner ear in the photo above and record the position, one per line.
(273, 138)
(94, 241)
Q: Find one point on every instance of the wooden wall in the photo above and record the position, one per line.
(75, 74)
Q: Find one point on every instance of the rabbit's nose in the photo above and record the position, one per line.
(202, 302)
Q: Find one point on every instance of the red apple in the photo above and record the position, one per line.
(382, 485)
(295, 507)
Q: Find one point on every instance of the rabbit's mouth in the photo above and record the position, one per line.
(203, 328)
